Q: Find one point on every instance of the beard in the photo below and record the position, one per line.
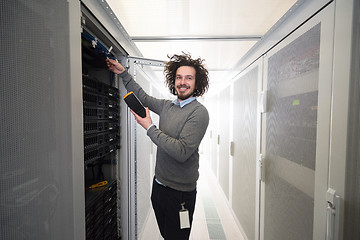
(183, 96)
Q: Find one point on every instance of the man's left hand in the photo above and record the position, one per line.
(144, 122)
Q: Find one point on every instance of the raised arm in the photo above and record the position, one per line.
(130, 84)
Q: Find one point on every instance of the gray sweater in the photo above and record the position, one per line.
(177, 138)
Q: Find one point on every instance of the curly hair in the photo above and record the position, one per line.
(201, 77)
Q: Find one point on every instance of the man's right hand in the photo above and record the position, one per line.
(114, 66)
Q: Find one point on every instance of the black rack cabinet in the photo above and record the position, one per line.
(101, 143)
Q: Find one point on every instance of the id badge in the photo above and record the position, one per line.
(184, 217)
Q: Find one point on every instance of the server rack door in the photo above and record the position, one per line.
(212, 149)
(41, 167)
(246, 139)
(224, 140)
(296, 132)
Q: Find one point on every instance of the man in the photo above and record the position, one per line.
(182, 125)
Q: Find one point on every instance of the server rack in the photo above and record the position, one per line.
(101, 127)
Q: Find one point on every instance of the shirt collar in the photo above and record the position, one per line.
(184, 102)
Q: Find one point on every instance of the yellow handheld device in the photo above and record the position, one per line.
(134, 104)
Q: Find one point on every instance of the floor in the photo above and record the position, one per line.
(213, 219)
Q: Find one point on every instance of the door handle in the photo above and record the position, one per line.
(332, 215)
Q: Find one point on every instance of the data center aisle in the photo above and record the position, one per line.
(213, 219)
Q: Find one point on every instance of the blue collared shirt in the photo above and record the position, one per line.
(184, 102)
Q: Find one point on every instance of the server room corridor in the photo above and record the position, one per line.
(280, 159)
(213, 218)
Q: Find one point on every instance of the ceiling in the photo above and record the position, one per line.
(221, 32)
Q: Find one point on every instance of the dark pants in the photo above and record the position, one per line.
(167, 204)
